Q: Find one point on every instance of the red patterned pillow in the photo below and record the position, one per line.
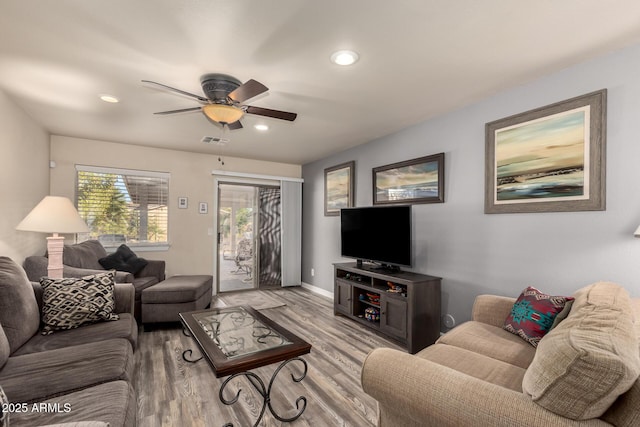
(534, 313)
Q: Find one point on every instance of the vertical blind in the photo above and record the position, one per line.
(122, 205)
(291, 193)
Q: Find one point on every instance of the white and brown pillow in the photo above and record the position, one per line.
(73, 302)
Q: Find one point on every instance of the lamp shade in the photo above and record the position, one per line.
(637, 232)
(54, 215)
(222, 113)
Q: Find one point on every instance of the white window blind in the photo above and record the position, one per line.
(123, 206)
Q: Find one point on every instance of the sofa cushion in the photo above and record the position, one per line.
(84, 255)
(475, 365)
(123, 259)
(126, 328)
(591, 358)
(113, 403)
(19, 313)
(491, 341)
(72, 302)
(39, 376)
(534, 313)
(5, 350)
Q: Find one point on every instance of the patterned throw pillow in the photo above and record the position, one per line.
(534, 313)
(72, 302)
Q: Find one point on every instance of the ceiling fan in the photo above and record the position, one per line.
(223, 100)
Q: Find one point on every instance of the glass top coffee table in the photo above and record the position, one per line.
(235, 340)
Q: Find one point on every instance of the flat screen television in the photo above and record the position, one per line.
(381, 234)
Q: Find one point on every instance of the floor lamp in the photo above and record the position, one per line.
(54, 215)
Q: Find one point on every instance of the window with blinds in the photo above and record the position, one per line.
(123, 206)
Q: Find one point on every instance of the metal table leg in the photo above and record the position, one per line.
(189, 351)
(265, 392)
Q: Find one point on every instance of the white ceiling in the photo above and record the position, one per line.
(418, 59)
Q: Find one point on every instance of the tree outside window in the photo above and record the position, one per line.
(123, 207)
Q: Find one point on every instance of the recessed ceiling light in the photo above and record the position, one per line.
(261, 127)
(109, 98)
(344, 57)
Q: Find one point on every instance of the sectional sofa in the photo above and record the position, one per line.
(82, 375)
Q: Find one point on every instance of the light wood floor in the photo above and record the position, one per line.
(172, 392)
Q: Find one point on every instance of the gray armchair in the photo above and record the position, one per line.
(82, 260)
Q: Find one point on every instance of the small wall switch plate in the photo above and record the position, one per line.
(313, 272)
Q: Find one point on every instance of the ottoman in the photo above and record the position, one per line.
(163, 301)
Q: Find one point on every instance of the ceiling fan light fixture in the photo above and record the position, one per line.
(344, 57)
(222, 113)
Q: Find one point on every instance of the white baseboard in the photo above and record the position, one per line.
(318, 290)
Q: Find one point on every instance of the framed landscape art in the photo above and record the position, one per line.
(551, 159)
(413, 181)
(339, 188)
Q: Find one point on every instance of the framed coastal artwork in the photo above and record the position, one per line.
(551, 159)
(419, 180)
(339, 188)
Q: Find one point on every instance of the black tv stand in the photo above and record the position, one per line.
(407, 304)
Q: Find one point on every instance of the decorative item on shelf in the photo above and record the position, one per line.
(396, 289)
(362, 297)
(372, 314)
(374, 298)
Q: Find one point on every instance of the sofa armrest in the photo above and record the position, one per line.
(412, 391)
(154, 268)
(125, 295)
(492, 309)
(120, 277)
(38, 291)
(36, 268)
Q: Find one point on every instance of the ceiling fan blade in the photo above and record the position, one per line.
(198, 97)
(276, 114)
(248, 90)
(235, 125)
(182, 110)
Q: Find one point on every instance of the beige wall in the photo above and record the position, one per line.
(24, 178)
(191, 246)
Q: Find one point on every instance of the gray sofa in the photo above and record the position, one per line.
(82, 260)
(82, 375)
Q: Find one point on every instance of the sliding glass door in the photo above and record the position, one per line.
(248, 237)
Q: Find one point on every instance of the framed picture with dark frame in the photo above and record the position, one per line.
(339, 188)
(413, 181)
(551, 159)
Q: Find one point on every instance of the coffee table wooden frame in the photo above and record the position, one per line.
(240, 365)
